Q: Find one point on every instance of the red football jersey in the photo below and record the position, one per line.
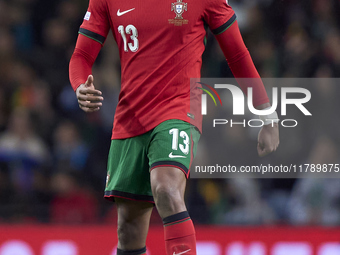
(160, 45)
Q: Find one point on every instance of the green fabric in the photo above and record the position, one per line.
(130, 159)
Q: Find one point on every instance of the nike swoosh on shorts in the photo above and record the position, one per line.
(176, 156)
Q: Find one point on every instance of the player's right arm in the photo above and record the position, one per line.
(92, 35)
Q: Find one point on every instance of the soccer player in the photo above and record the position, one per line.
(153, 143)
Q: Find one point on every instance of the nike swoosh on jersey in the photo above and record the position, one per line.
(176, 156)
(122, 13)
(181, 252)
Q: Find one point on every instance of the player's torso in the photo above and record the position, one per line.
(160, 45)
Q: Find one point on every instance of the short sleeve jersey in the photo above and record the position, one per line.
(160, 45)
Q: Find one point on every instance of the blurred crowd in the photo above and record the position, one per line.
(53, 156)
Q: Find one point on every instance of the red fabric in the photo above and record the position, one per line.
(99, 16)
(217, 13)
(157, 63)
(180, 238)
(82, 60)
(241, 64)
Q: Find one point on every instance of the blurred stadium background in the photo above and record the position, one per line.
(53, 156)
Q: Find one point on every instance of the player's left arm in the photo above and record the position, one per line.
(242, 66)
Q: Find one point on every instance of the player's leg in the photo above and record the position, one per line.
(128, 183)
(168, 185)
(133, 226)
(172, 148)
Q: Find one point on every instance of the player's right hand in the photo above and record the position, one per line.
(89, 99)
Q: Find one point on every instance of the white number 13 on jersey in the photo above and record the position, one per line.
(132, 31)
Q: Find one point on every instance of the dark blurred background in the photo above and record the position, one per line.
(53, 156)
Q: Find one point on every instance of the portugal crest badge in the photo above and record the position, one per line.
(179, 7)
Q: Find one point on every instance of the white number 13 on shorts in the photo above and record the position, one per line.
(175, 137)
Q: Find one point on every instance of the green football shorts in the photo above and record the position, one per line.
(173, 143)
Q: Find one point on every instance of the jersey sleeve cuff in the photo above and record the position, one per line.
(94, 36)
(225, 26)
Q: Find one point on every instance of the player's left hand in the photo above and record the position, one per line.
(268, 139)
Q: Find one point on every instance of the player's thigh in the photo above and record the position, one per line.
(133, 212)
(168, 186)
(168, 179)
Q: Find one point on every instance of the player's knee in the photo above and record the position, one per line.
(167, 198)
